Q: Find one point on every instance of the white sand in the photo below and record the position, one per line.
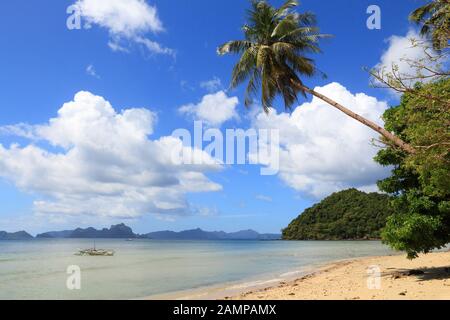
(356, 279)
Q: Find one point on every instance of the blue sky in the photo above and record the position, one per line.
(44, 64)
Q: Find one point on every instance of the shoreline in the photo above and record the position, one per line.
(345, 279)
(233, 289)
(425, 278)
(227, 290)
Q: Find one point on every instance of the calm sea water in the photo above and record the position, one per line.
(141, 268)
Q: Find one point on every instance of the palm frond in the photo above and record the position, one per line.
(435, 20)
(252, 88)
(284, 27)
(286, 8)
(419, 14)
(244, 67)
(236, 46)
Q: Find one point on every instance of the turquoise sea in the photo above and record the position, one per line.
(142, 268)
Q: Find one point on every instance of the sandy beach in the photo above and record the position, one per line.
(375, 278)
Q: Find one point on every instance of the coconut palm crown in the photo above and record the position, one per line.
(273, 52)
(435, 20)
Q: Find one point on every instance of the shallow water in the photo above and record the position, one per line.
(38, 269)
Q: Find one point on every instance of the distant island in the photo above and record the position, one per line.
(347, 215)
(199, 234)
(121, 231)
(21, 235)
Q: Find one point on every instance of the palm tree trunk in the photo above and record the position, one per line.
(386, 134)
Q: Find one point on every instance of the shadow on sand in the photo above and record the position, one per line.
(422, 274)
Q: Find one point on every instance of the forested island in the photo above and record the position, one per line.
(347, 215)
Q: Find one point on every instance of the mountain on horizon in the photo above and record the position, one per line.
(20, 235)
(121, 231)
(199, 234)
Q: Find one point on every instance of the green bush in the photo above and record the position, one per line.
(420, 182)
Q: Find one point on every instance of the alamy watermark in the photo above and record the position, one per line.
(73, 22)
(374, 20)
(374, 277)
(73, 281)
(237, 146)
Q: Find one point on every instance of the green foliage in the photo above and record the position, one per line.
(435, 20)
(420, 182)
(349, 214)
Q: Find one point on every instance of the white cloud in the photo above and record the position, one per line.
(185, 86)
(103, 163)
(214, 109)
(121, 17)
(90, 70)
(117, 47)
(23, 130)
(154, 47)
(321, 149)
(124, 19)
(401, 51)
(212, 85)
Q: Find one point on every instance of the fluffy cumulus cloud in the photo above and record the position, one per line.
(321, 149)
(213, 109)
(103, 163)
(128, 20)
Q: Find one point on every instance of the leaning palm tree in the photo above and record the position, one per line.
(435, 20)
(273, 59)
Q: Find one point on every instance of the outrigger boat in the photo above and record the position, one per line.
(95, 252)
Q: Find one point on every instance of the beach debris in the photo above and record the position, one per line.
(95, 252)
(403, 293)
